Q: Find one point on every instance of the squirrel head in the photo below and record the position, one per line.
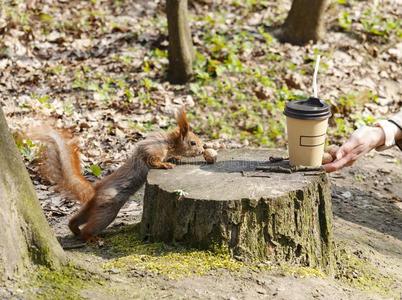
(188, 143)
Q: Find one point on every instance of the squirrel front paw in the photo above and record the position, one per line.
(167, 165)
(158, 164)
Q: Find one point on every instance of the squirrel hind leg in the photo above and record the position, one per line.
(81, 217)
(99, 219)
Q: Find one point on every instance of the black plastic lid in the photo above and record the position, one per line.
(310, 109)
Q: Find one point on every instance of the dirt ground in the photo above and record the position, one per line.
(367, 210)
(98, 68)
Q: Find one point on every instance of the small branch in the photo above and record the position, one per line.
(274, 169)
(289, 169)
(274, 159)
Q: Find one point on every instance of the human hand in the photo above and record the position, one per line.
(362, 141)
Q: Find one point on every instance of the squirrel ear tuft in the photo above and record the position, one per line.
(182, 122)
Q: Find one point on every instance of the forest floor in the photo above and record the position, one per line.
(98, 68)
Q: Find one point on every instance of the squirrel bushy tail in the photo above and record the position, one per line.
(60, 162)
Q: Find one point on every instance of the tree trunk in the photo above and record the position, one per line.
(181, 51)
(25, 235)
(304, 23)
(268, 216)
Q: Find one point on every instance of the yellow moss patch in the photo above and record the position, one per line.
(176, 264)
(301, 272)
(286, 269)
(172, 262)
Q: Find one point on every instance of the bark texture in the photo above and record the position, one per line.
(304, 22)
(284, 217)
(25, 236)
(181, 50)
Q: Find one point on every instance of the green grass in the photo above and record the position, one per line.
(370, 22)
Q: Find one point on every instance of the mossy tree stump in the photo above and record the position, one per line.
(283, 217)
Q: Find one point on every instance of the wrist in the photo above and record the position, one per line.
(389, 132)
(379, 137)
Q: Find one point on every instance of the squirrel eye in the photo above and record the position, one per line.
(193, 143)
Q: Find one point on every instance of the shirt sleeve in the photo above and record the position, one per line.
(397, 121)
(391, 127)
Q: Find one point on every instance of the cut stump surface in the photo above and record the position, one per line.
(276, 217)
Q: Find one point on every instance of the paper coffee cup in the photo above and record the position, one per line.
(306, 123)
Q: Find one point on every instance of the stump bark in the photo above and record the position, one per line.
(265, 216)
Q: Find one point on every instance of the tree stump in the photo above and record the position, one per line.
(256, 215)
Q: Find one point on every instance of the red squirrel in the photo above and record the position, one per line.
(103, 200)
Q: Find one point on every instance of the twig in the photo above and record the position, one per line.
(289, 170)
(274, 169)
(314, 173)
(306, 169)
(274, 159)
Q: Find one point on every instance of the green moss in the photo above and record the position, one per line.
(176, 264)
(301, 272)
(65, 283)
(286, 269)
(170, 261)
(360, 273)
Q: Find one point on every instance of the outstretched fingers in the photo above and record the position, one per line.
(345, 161)
(345, 157)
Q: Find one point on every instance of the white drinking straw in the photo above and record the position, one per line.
(317, 65)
